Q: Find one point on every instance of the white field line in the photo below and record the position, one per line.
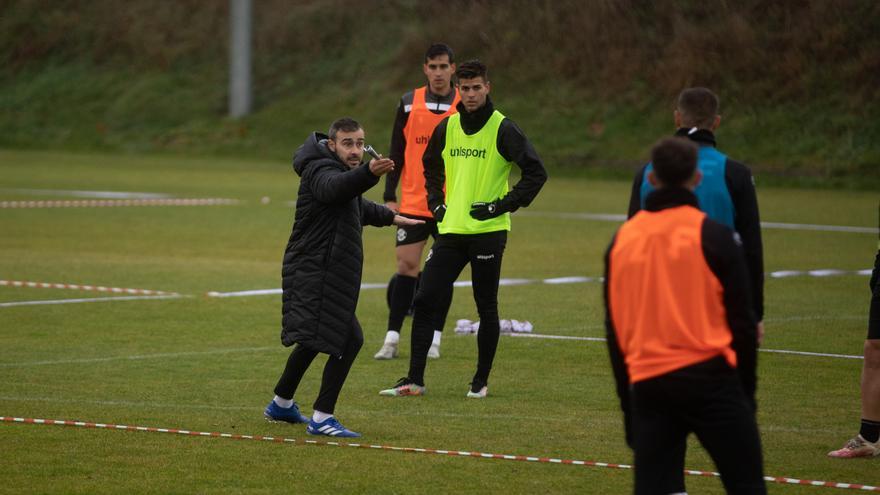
(618, 218)
(139, 357)
(86, 300)
(602, 339)
(554, 281)
(87, 194)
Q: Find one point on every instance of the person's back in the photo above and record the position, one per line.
(727, 190)
(681, 335)
(664, 291)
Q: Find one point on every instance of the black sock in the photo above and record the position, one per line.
(401, 301)
(870, 430)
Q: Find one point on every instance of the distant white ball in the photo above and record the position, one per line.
(265, 200)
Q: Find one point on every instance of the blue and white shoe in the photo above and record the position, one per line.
(278, 414)
(330, 427)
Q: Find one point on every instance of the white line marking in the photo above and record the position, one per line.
(818, 354)
(555, 337)
(618, 218)
(602, 339)
(138, 357)
(88, 194)
(245, 293)
(86, 300)
(507, 282)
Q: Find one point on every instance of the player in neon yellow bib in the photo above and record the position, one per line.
(471, 152)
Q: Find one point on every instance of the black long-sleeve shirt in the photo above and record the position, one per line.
(746, 220)
(512, 144)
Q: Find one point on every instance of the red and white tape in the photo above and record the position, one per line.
(99, 203)
(455, 453)
(93, 288)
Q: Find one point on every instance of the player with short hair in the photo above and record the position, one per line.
(681, 333)
(727, 191)
(321, 271)
(471, 152)
(418, 113)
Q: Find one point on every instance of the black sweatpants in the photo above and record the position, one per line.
(447, 258)
(335, 371)
(707, 399)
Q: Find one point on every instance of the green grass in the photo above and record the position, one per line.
(210, 364)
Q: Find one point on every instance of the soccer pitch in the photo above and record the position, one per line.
(186, 360)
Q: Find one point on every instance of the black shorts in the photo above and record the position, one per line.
(874, 312)
(411, 234)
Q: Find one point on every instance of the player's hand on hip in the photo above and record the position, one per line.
(381, 166)
(485, 211)
(401, 221)
(393, 206)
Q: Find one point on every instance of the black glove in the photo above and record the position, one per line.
(485, 211)
(439, 212)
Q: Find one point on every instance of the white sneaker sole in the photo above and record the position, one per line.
(478, 395)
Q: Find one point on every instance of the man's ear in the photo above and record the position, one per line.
(695, 179)
(332, 145)
(716, 122)
(676, 116)
(653, 180)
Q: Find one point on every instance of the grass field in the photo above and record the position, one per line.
(209, 364)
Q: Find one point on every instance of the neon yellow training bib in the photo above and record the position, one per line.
(475, 171)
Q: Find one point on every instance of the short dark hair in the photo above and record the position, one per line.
(472, 69)
(698, 107)
(438, 49)
(674, 160)
(345, 124)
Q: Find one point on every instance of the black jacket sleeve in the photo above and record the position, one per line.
(723, 252)
(747, 222)
(435, 170)
(618, 366)
(635, 197)
(375, 214)
(515, 147)
(332, 185)
(397, 154)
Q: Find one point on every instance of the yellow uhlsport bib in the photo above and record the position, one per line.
(475, 171)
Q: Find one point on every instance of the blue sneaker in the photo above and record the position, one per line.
(278, 414)
(330, 427)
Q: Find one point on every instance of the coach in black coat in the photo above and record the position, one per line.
(321, 272)
(323, 261)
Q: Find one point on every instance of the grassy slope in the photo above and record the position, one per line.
(552, 398)
(797, 82)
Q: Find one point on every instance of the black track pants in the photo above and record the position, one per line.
(447, 258)
(335, 371)
(706, 399)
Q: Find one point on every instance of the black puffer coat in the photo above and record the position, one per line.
(321, 274)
